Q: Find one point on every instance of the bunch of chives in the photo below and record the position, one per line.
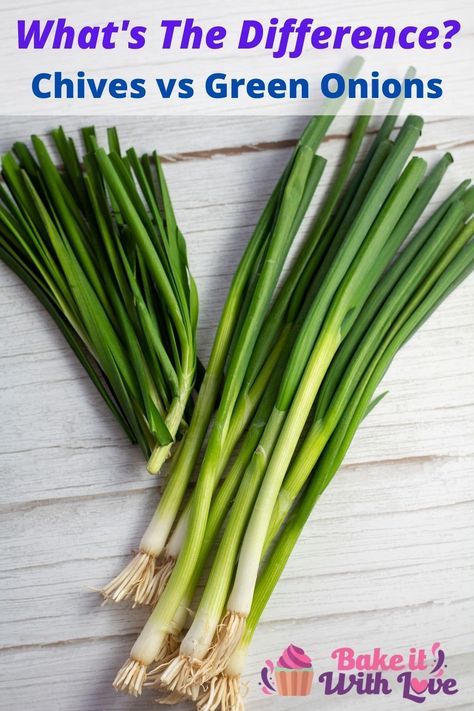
(97, 242)
(357, 301)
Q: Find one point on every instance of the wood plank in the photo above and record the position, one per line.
(79, 675)
(188, 140)
(386, 537)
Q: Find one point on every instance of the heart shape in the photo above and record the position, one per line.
(419, 685)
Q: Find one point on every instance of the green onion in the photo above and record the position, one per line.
(223, 564)
(215, 590)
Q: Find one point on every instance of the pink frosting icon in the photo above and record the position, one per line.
(294, 672)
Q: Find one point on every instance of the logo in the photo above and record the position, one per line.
(292, 675)
(415, 675)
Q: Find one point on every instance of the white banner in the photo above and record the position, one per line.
(151, 57)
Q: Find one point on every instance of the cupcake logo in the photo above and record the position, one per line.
(291, 676)
(415, 673)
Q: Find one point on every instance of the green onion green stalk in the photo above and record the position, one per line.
(337, 388)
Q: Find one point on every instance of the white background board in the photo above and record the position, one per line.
(387, 558)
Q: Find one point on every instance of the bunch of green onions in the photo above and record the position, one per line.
(313, 469)
(297, 364)
(98, 244)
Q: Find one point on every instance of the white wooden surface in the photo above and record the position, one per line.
(387, 558)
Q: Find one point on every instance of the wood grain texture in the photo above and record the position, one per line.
(387, 558)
